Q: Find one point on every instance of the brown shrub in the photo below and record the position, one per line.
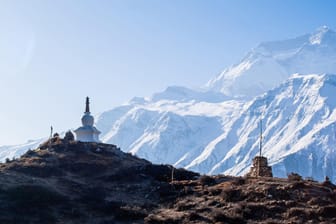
(300, 213)
(327, 211)
(220, 216)
(294, 177)
(164, 217)
(207, 180)
(239, 181)
(232, 195)
(215, 191)
(278, 193)
(183, 205)
(193, 216)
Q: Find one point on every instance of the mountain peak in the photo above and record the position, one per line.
(322, 35)
(271, 63)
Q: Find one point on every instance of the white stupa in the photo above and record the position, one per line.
(87, 133)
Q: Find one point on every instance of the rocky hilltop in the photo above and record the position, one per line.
(65, 181)
(74, 182)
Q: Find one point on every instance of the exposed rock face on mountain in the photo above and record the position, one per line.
(73, 182)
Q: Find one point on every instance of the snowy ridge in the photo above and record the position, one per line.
(182, 94)
(165, 131)
(270, 63)
(14, 151)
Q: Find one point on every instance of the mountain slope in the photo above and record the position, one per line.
(214, 138)
(169, 131)
(299, 133)
(270, 63)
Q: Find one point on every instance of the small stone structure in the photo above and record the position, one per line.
(69, 136)
(87, 132)
(260, 168)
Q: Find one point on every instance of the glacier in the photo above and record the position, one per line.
(289, 84)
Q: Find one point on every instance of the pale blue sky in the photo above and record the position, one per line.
(55, 53)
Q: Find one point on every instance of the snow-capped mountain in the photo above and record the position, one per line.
(270, 63)
(299, 135)
(168, 131)
(216, 130)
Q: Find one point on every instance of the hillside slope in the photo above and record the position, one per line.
(72, 182)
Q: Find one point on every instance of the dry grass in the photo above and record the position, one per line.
(257, 200)
(78, 184)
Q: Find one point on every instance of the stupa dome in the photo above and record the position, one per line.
(87, 119)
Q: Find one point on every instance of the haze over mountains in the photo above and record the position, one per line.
(289, 83)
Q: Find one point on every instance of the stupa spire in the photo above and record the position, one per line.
(87, 105)
(87, 132)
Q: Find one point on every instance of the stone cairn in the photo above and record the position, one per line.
(260, 168)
